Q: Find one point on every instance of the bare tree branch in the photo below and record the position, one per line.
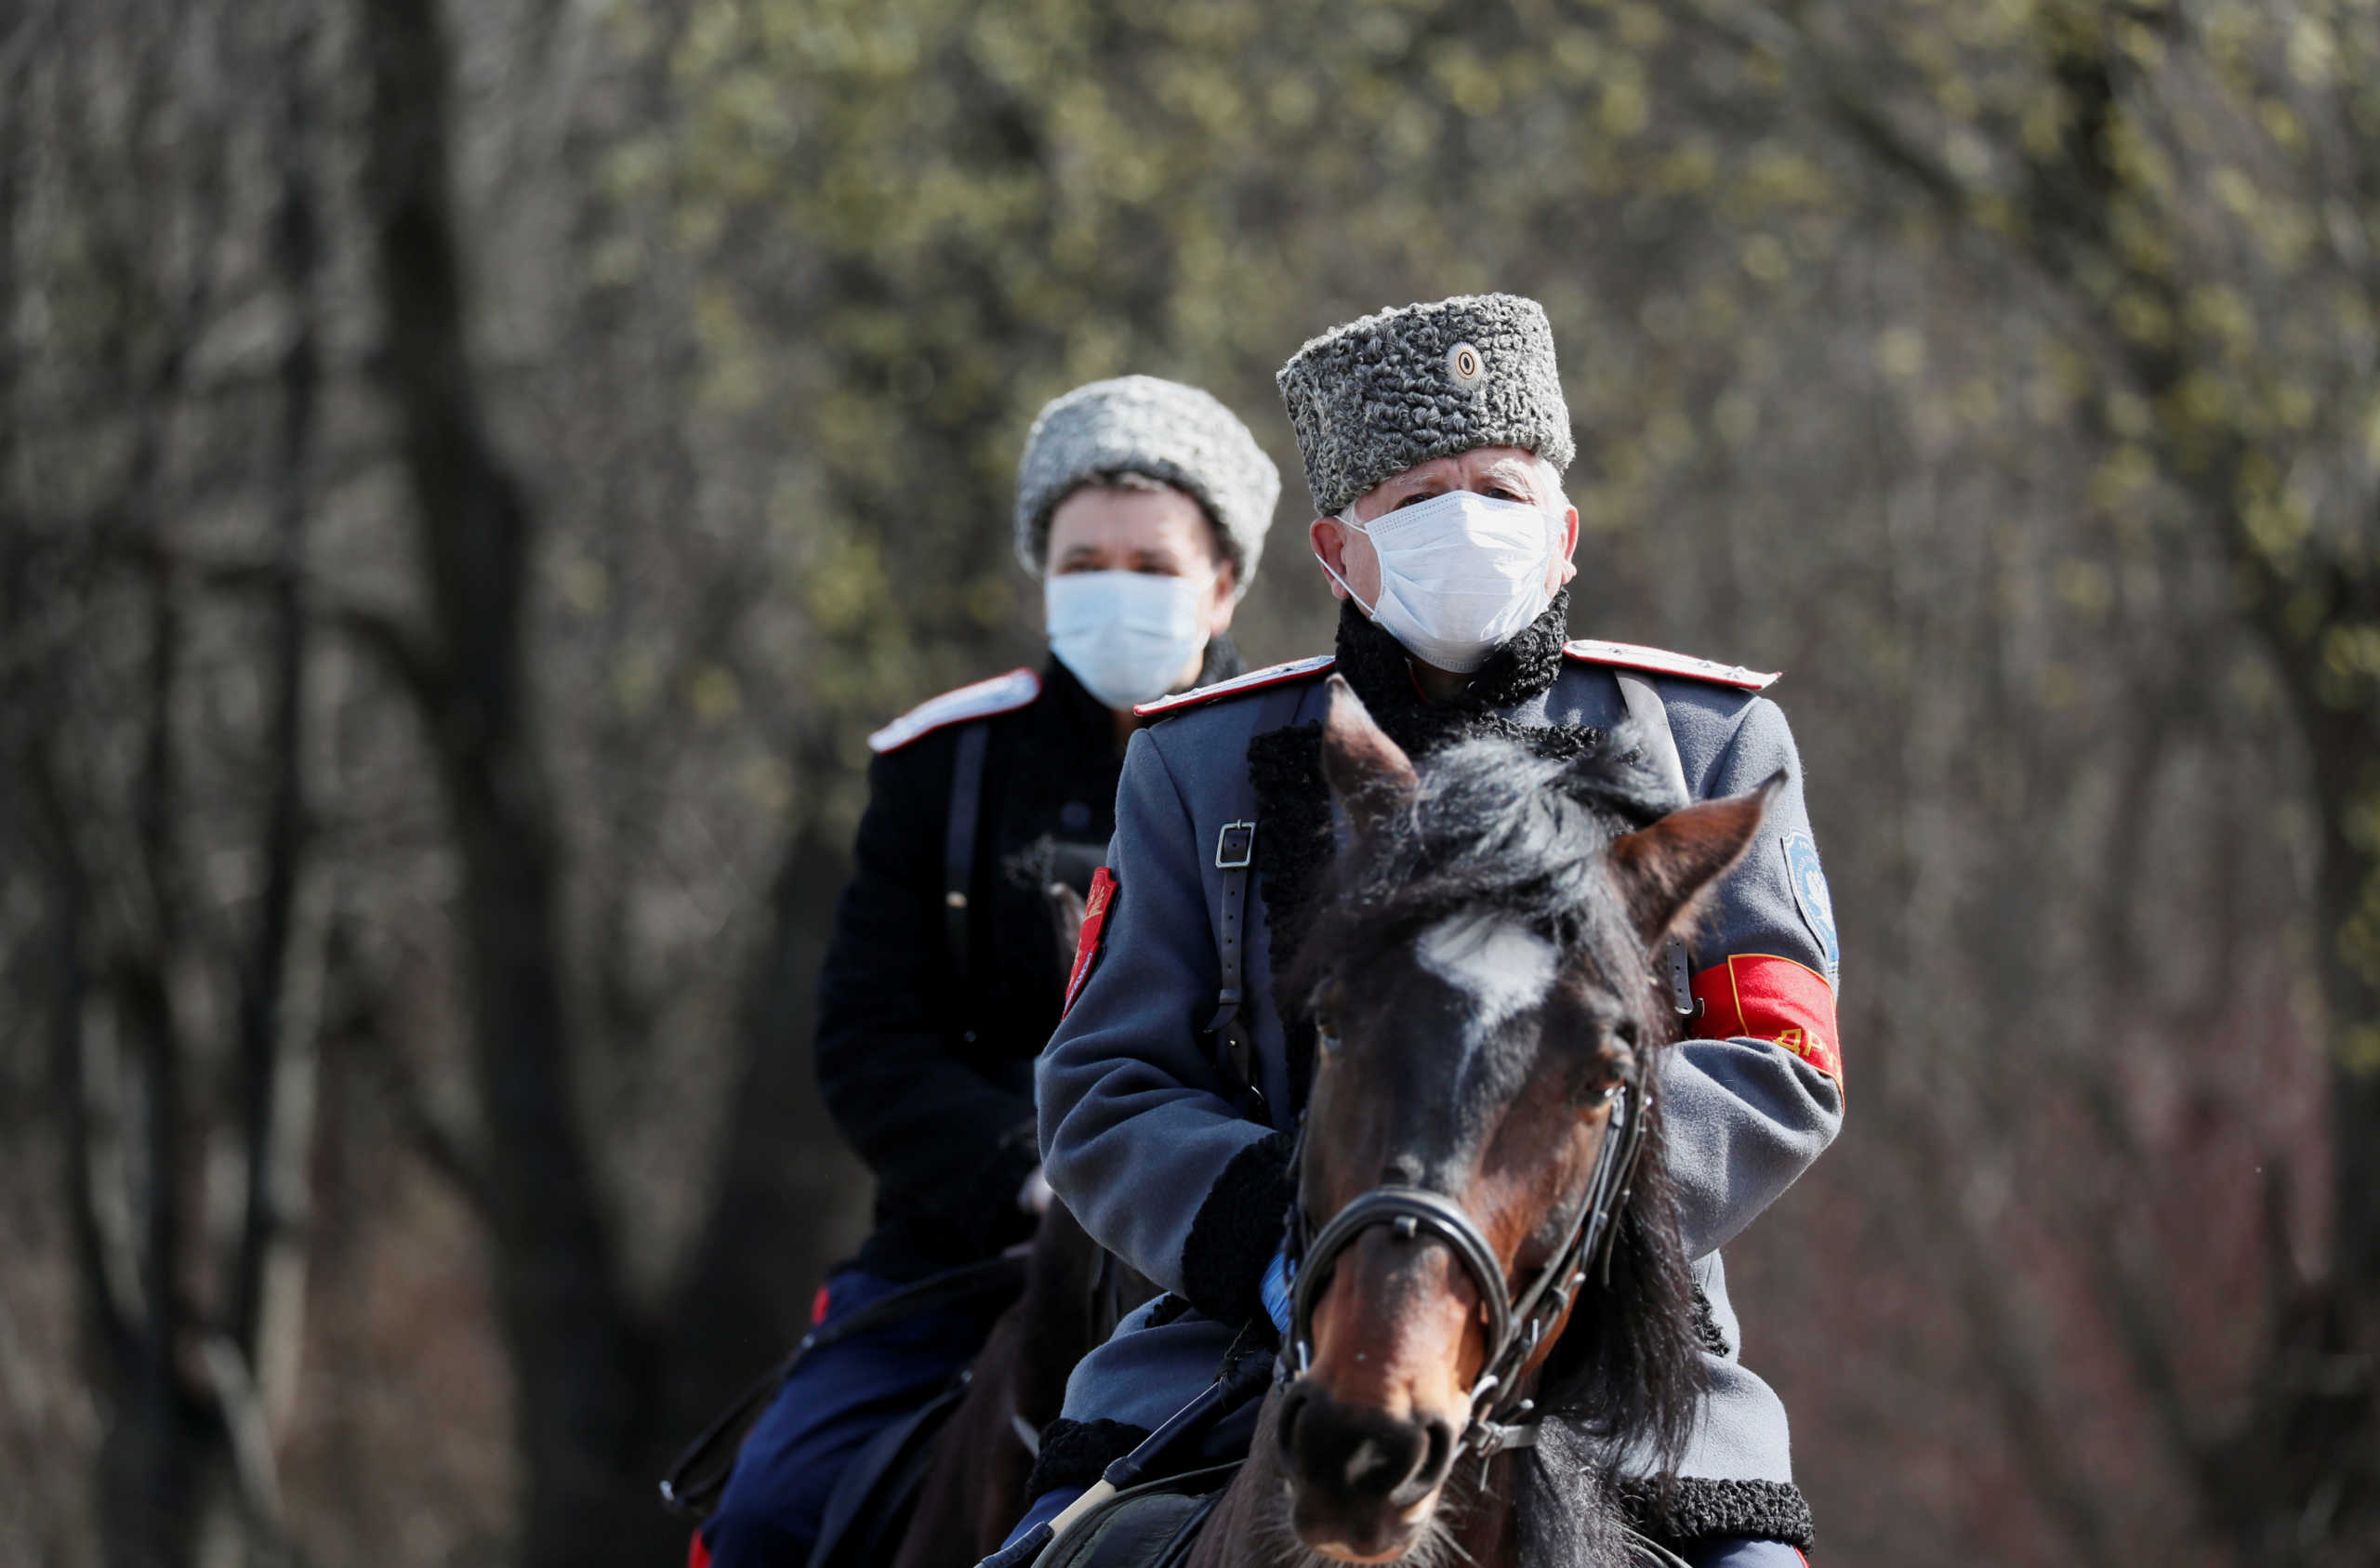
(276, 1171)
(392, 642)
(234, 1390)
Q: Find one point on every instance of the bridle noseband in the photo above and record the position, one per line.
(1516, 1326)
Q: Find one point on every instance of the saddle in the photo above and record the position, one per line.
(1153, 1516)
(1152, 1525)
(1156, 1524)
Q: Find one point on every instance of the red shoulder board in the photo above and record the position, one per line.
(1660, 661)
(1001, 693)
(1254, 680)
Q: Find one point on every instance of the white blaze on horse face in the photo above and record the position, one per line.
(1503, 967)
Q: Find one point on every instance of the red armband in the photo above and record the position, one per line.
(1760, 997)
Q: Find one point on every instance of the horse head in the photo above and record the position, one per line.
(1486, 1217)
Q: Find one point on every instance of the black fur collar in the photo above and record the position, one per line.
(1293, 802)
(1381, 671)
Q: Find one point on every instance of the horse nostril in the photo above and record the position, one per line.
(1285, 1427)
(1354, 1453)
(1438, 1457)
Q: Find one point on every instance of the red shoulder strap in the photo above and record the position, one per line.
(1255, 680)
(1001, 693)
(1660, 661)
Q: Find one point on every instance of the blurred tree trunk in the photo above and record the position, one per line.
(160, 1435)
(277, 1045)
(2305, 1470)
(153, 1466)
(2342, 740)
(584, 1368)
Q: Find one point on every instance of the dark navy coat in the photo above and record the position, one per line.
(928, 1069)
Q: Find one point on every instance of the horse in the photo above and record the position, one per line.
(1491, 1305)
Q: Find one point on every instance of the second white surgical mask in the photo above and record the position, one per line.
(1460, 574)
(1127, 636)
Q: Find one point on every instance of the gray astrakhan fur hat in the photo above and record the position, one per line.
(1372, 397)
(1139, 424)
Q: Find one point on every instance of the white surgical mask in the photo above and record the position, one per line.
(1459, 574)
(1127, 636)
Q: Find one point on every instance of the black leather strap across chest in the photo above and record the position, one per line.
(1516, 1325)
(958, 838)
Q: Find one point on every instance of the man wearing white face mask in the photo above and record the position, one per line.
(1144, 505)
(1434, 439)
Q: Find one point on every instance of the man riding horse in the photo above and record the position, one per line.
(1435, 438)
(1142, 504)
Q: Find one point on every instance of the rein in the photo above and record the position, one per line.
(1516, 1326)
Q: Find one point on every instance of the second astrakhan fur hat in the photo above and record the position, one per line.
(1372, 397)
(1142, 424)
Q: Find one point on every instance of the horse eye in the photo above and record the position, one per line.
(1609, 1074)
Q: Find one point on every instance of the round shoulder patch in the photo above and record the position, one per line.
(1811, 895)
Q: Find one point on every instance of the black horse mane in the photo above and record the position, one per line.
(1493, 827)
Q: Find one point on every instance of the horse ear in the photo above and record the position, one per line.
(1369, 772)
(1664, 868)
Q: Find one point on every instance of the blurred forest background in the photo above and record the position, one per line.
(471, 474)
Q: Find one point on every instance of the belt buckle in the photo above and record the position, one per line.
(1235, 846)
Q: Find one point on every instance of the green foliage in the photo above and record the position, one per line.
(2197, 182)
(961, 209)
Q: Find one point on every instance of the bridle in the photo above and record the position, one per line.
(1499, 1418)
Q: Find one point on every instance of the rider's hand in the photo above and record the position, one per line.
(1035, 1195)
